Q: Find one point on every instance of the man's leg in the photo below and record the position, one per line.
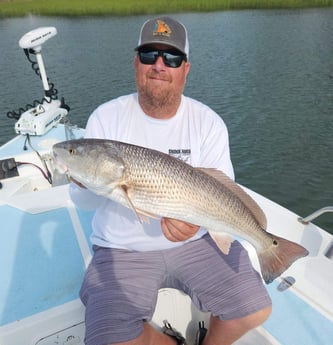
(120, 292)
(226, 332)
(150, 336)
(220, 332)
(225, 285)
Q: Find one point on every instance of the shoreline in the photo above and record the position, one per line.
(76, 8)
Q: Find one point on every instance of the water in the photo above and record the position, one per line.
(269, 74)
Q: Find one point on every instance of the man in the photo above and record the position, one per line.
(132, 261)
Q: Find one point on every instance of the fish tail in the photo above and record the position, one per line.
(275, 259)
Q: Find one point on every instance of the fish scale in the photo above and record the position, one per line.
(173, 182)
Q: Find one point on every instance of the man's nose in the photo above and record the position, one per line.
(159, 63)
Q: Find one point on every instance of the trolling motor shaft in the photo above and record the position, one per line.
(33, 40)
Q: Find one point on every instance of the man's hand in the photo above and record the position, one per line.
(176, 230)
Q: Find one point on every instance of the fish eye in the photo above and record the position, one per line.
(71, 151)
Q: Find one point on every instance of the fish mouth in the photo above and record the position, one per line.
(59, 164)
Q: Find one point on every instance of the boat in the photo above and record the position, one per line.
(45, 248)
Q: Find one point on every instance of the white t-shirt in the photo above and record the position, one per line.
(195, 134)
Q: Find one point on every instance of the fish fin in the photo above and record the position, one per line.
(123, 189)
(255, 209)
(222, 240)
(278, 257)
(143, 216)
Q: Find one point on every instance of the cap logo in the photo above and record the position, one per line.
(161, 28)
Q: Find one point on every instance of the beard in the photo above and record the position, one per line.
(158, 96)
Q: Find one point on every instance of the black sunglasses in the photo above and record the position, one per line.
(170, 58)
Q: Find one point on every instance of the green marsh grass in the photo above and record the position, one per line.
(17, 8)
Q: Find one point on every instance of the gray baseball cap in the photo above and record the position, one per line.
(164, 30)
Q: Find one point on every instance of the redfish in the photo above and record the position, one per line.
(155, 184)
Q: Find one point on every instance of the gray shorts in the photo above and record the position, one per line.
(120, 287)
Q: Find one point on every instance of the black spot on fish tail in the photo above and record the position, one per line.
(279, 257)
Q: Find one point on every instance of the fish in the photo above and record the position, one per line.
(154, 184)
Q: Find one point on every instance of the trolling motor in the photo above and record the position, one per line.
(39, 118)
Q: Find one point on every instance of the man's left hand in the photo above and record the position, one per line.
(177, 230)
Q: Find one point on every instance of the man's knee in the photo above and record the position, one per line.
(228, 331)
(256, 319)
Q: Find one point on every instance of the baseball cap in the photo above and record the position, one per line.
(164, 30)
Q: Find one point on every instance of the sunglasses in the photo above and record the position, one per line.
(170, 58)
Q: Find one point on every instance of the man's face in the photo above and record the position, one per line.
(159, 84)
